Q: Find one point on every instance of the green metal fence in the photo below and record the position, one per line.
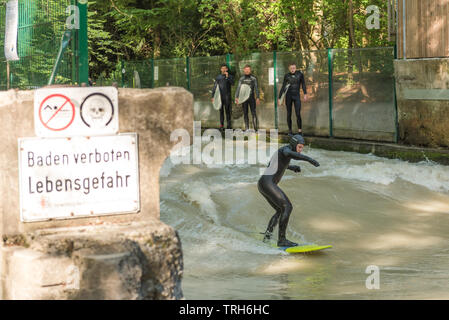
(363, 103)
(351, 92)
(41, 26)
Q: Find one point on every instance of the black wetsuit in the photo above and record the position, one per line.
(226, 101)
(251, 102)
(268, 187)
(296, 81)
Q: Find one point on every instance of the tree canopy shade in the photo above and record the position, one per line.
(140, 29)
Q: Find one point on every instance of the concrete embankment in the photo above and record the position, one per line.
(387, 150)
(381, 149)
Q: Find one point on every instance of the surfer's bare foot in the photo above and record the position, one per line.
(286, 243)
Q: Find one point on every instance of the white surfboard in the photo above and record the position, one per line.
(245, 93)
(217, 99)
(282, 97)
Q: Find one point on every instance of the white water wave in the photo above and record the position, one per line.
(385, 172)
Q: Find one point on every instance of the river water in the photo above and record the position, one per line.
(389, 214)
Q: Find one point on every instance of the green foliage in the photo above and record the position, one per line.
(144, 29)
(138, 29)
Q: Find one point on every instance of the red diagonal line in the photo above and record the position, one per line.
(56, 112)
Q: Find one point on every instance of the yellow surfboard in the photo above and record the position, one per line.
(306, 248)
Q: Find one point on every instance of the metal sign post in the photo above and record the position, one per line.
(330, 56)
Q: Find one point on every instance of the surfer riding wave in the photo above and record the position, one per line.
(268, 187)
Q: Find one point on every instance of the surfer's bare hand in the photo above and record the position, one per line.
(212, 100)
(236, 101)
(258, 101)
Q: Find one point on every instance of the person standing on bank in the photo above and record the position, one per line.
(246, 90)
(223, 82)
(293, 82)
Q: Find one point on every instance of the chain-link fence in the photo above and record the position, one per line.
(351, 93)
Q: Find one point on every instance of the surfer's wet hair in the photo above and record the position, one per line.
(224, 65)
(292, 64)
(247, 66)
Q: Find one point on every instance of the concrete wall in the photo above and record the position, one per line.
(423, 101)
(132, 256)
(140, 260)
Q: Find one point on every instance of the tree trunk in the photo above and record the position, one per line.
(157, 44)
(352, 43)
(351, 40)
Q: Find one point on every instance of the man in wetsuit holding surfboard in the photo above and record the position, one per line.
(268, 187)
(244, 94)
(222, 96)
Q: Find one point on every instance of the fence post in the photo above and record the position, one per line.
(330, 71)
(276, 121)
(188, 72)
(396, 116)
(83, 44)
(73, 46)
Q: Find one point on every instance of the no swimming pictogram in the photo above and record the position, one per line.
(76, 111)
(57, 112)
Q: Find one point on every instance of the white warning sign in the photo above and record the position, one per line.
(68, 112)
(64, 178)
